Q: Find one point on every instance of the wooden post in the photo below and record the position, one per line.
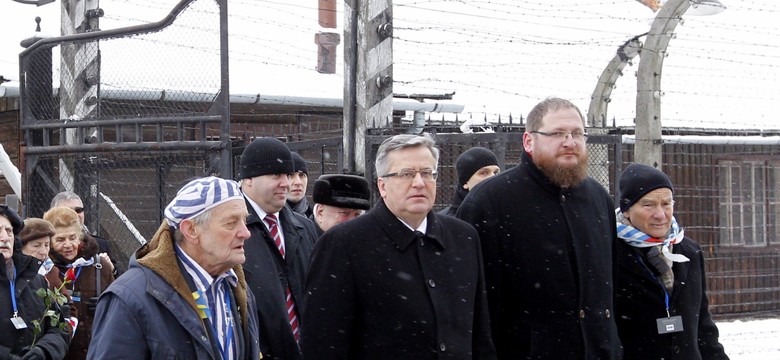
(368, 75)
(79, 72)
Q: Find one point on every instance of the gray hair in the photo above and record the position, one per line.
(548, 105)
(197, 220)
(403, 141)
(63, 197)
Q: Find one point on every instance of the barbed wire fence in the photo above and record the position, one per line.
(160, 106)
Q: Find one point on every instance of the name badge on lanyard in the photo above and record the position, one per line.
(670, 324)
(16, 320)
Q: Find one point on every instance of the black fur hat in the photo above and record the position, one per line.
(346, 191)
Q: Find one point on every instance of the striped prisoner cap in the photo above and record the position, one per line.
(198, 196)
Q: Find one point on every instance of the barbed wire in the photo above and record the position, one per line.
(528, 49)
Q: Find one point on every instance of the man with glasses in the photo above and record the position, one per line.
(400, 281)
(548, 246)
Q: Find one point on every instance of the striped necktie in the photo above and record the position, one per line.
(292, 314)
(273, 228)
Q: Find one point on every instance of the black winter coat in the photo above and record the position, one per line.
(30, 307)
(640, 301)
(549, 264)
(268, 274)
(378, 291)
(457, 199)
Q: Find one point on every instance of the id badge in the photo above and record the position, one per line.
(18, 323)
(76, 296)
(669, 325)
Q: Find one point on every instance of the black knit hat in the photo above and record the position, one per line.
(346, 191)
(638, 180)
(471, 160)
(13, 218)
(265, 156)
(299, 163)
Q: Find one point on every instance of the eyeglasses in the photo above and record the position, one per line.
(78, 209)
(409, 174)
(561, 135)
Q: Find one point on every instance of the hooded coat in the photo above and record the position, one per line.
(549, 264)
(149, 312)
(53, 341)
(640, 301)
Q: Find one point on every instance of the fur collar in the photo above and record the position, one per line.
(159, 256)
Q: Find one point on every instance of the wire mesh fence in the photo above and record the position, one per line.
(125, 118)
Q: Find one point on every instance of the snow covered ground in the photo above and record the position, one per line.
(751, 339)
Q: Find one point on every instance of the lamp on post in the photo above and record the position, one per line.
(35, 2)
(648, 148)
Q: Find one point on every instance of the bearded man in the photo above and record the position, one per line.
(548, 246)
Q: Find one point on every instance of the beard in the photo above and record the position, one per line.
(564, 176)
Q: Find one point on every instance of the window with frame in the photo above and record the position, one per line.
(749, 202)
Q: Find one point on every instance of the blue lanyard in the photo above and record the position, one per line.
(13, 292)
(76, 277)
(658, 281)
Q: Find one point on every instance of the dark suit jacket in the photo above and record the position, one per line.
(640, 301)
(268, 275)
(376, 290)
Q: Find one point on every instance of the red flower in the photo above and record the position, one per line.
(70, 275)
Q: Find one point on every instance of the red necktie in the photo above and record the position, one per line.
(292, 315)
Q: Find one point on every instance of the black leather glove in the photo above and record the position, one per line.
(36, 353)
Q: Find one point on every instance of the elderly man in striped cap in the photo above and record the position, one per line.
(185, 295)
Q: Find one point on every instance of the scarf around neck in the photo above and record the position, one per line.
(636, 238)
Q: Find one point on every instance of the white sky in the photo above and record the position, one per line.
(498, 56)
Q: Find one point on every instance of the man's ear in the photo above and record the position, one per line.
(528, 142)
(188, 229)
(380, 184)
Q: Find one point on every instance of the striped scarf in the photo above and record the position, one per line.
(636, 238)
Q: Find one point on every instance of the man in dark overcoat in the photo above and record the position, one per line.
(279, 249)
(548, 245)
(661, 279)
(400, 282)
